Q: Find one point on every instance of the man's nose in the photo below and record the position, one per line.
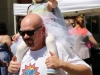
(26, 36)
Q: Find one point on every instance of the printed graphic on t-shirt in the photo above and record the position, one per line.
(30, 70)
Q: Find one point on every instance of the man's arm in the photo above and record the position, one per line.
(75, 69)
(78, 69)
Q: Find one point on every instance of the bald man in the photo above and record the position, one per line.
(36, 60)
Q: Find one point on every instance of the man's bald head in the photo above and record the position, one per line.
(33, 31)
(31, 19)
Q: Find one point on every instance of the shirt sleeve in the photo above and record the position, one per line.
(89, 34)
(68, 55)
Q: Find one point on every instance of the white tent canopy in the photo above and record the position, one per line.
(67, 7)
(64, 5)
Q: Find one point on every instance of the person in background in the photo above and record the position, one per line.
(18, 22)
(5, 43)
(94, 26)
(3, 64)
(70, 21)
(66, 63)
(84, 37)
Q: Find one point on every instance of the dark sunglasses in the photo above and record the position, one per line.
(29, 32)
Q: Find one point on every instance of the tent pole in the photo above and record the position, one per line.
(14, 24)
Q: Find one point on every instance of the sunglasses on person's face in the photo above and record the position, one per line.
(29, 32)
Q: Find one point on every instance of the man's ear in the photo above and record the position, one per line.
(43, 30)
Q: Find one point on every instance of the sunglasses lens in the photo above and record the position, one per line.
(30, 33)
(22, 33)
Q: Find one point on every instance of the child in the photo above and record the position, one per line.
(51, 5)
(39, 6)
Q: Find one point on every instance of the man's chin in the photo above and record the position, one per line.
(29, 45)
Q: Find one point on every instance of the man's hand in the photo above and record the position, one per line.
(53, 61)
(14, 66)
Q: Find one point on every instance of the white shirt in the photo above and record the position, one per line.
(33, 62)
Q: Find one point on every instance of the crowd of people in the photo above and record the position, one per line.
(28, 53)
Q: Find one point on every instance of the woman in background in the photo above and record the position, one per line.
(83, 38)
(5, 43)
